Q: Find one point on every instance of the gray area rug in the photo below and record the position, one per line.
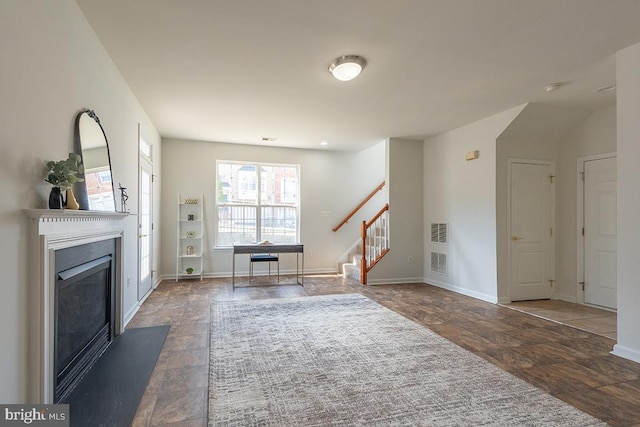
(345, 360)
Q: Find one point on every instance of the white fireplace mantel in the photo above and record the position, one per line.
(52, 230)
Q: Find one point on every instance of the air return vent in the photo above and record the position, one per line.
(439, 262)
(439, 232)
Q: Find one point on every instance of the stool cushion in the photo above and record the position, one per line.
(263, 258)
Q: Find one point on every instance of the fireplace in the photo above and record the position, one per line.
(84, 310)
(75, 296)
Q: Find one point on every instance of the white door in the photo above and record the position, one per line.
(531, 270)
(145, 227)
(600, 233)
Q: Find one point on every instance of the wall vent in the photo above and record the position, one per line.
(439, 262)
(439, 232)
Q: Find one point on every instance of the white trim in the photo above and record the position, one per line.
(403, 281)
(626, 352)
(552, 244)
(51, 230)
(127, 317)
(227, 275)
(144, 160)
(579, 299)
(567, 298)
(464, 291)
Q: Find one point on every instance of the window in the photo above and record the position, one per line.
(145, 148)
(256, 202)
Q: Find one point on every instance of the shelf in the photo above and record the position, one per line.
(190, 221)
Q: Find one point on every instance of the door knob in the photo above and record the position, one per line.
(514, 238)
(142, 235)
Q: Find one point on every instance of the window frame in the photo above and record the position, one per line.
(262, 199)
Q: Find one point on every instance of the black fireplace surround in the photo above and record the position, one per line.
(84, 310)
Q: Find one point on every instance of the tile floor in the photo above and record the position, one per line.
(590, 319)
(574, 365)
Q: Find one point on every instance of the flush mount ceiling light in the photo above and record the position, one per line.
(554, 86)
(347, 67)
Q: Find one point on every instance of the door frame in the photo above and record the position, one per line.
(142, 158)
(552, 219)
(580, 219)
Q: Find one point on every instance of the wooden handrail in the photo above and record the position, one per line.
(353, 212)
(376, 216)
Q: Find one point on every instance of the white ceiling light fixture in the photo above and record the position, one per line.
(554, 86)
(347, 67)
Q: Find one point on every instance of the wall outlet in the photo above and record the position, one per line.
(309, 253)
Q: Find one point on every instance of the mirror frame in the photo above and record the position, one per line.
(80, 188)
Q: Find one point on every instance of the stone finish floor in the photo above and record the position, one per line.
(590, 319)
(569, 363)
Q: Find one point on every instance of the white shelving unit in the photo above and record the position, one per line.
(190, 236)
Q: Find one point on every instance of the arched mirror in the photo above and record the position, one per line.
(96, 192)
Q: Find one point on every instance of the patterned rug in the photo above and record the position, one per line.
(345, 360)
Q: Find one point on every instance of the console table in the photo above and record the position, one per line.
(274, 248)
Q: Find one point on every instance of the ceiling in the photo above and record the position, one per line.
(240, 70)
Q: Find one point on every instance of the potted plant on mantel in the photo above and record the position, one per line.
(62, 175)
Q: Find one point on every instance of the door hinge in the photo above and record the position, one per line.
(551, 283)
(583, 231)
(551, 178)
(582, 175)
(582, 283)
(153, 178)
(551, 231)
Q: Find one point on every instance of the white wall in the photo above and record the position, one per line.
(628, 125)
(53, 66)
(596, 135)
(404, 193)
(463, 194)
(330, 181)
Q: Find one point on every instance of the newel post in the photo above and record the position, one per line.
(363, 260)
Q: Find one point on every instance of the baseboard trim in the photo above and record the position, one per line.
(403, 281)
(130, 314)
(626, 353)
(227, 274)
(567, 298)
(464, 291)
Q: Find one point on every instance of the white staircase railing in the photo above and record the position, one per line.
(375, 241)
